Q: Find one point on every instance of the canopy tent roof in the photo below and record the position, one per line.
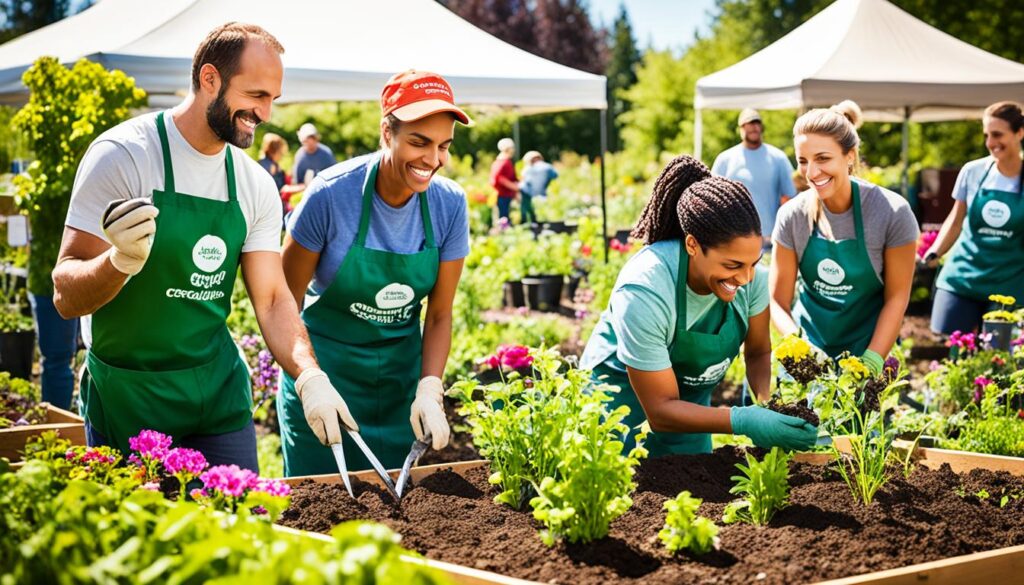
(344, 50)
(872, 52)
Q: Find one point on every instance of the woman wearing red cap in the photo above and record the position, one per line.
(372, 238)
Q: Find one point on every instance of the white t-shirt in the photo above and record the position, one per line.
(126, 162)
(968, 182)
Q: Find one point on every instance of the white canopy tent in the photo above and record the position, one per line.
(896, 67)
(343, 50)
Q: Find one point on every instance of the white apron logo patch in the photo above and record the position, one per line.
(995, 213)
(394, 296)
(394, 305)
(831, 272)
(209, 253)
(712, 375)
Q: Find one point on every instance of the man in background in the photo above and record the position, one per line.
(312, 158)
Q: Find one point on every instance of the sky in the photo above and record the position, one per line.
(663, 24)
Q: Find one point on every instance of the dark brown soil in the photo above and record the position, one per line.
(927, 345)
(824, 534)
(797, 409)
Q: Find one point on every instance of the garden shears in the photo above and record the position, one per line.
(339, 458)
(419, 447)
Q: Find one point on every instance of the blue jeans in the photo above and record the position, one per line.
(952, 312)
(504, 207)
(236, 447)
(58, 342)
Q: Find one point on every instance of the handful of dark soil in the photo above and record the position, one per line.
(872, 389)
(797, 409)
(804, 371)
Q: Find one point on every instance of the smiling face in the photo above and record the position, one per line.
(246, 100)
(823, 164)
(417, 150)
(1000, 139)
(722, 270)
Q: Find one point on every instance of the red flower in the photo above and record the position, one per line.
(585, 250)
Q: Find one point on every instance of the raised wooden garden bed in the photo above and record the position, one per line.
(916, 531)
(68, 424)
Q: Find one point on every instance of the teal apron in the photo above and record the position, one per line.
(365, 329)
(840, 295)
(700, 357)
(162, 357)
(989, 255)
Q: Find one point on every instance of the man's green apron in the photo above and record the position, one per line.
(365, 329)
(840, 295)
(162, 357)
(989, 255)
(700, 357)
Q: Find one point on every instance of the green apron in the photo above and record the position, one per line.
(700, 357)
(840, 294)
(162, 357)
(365, 329)
(989, 255)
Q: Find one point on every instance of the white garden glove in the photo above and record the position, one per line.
(129, 225)
(322, 405)
(428, 412)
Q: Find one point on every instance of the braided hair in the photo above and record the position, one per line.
(713, 209)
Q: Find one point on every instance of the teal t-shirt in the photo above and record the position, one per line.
(642, 310)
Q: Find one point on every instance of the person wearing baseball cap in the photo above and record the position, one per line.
(312, 158)
(372, 238)
(762, 168)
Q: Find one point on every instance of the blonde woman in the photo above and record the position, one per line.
(844, 248)
(272, 150)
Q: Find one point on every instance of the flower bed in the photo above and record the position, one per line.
(69, 425)
(938, 517)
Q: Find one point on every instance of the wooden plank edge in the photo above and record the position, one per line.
(998, 565)
(458, 573)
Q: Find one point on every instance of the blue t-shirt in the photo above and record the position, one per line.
(968, 181)
(767, 174)
(642, 310)
(327, 219)
(322, 159)
(536, 178)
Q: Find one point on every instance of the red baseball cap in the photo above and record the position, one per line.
(412, 95)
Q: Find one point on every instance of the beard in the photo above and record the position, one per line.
(222, 121)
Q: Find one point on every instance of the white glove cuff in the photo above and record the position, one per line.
(125, 264)
(304, 377)
(432, 387)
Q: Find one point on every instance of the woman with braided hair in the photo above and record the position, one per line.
(680, 310)
(849, 244)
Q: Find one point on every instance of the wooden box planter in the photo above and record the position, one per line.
(995, 566)
(68, 424)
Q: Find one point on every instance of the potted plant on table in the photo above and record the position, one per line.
(17, 338)
(999, 323)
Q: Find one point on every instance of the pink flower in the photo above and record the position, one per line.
(187, 461)
(981, 382)
(934, 365)
(229, 480)
(925, 244)
(150, 444)
(150, 486)
(273, 487)
(197, 493)
(586, 250)
(965, 341)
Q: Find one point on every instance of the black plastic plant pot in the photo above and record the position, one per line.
(543, 292)
(16, 352)
(513, 291)
(1001, 332)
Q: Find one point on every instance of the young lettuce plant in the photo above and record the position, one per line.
(684, 529)
(765, 487)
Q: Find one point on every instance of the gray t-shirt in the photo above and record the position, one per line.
(887, 217)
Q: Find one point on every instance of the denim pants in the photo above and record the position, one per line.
(236, 447)
(504, 206)
(58, 342)
(952, 312)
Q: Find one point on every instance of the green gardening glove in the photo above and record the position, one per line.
(768, 428)
(874, 362)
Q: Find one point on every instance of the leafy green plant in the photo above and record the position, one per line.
(765, 487)
(13, 302)
(684, 529)
(67, 108)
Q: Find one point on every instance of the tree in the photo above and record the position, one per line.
(509, 20)
(20, 17)
(623, 59)
(66, 110)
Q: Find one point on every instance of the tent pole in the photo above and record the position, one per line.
(905, 154)
(603, 115)
(698, 132)
(515, 135)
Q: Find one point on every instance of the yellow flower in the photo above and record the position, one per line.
(855, 367)
(1003, 316)
(793, 347)
(1004, 300)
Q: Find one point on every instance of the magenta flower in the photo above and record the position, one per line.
(981, 382)
(925, 244)
(229, 480)
(965, 341)
(150, 444)
(184, 461)
(273, 487)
